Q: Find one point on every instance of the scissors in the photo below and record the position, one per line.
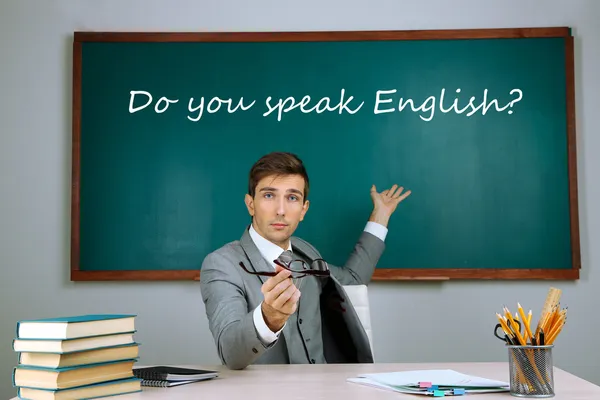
(505, 337)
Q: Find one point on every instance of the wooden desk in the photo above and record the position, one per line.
(287, 382)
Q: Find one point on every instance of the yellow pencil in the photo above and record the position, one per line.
(504, 326)
(553, 336)
(515, 327)
(528, 333)
(555, 327)
(551, 320)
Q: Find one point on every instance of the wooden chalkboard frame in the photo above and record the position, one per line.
(380, 274)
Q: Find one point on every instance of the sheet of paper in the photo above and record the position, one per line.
(440, 377)
(416, 390)
(370, 382)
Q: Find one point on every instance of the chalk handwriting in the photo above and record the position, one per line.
(386, 101)
(428, 106)
(157, 106)
(215, 104)
(324, 104)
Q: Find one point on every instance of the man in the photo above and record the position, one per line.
(255, 318)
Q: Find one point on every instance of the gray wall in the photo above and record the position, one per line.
(412, 321)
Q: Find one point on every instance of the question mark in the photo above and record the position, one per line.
(515, 100)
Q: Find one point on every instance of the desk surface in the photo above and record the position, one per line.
(287, 382)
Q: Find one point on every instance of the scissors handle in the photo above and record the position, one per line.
(503, 336)
(518, 324)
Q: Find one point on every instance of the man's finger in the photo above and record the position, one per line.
(391, 191)
(280, 300)
(273, 281)
(405, 195)
(290, 306)
(281, 287)
(397, 193)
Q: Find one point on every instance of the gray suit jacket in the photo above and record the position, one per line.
(319, 332)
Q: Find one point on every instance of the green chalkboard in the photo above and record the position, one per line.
(478, 124)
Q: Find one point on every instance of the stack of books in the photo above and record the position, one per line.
(76, 357)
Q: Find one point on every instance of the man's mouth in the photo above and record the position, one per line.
(279, 225)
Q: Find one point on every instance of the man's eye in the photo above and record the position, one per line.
(293, 198)
(268, 195)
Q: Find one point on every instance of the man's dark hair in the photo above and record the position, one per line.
(278, 164)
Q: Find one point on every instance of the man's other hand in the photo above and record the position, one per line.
(385, 203)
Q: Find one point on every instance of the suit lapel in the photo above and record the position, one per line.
(257, 262)
(349, 316)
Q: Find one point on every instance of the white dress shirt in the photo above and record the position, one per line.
(270, 252)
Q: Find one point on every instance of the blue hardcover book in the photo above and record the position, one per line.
(103, 389)
(75, 326)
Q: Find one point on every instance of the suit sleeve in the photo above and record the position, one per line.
(230, 322)
(360, 265)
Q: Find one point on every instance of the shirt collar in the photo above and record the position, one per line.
(269, 250)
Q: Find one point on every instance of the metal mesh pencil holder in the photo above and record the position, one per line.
(531, 371)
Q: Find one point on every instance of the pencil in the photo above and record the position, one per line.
(515, 327)
(550, 319)
(504, 326)
(553, 335)
(528, 333)
(554, 328)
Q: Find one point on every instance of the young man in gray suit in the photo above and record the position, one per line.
(250, 287)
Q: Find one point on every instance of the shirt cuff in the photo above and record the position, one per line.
(265, 335)
(376, 229)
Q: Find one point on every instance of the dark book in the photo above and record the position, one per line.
(172, 374)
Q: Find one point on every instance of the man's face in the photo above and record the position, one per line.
(277, 207)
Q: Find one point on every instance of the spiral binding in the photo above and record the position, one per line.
(149, 375)
(154, 383)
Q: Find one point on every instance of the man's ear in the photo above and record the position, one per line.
(249, 204)
(304, 209)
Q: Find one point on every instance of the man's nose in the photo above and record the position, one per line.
(281, 206)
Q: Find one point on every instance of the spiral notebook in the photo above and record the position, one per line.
(167, 376)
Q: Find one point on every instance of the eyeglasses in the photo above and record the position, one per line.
(298, 268)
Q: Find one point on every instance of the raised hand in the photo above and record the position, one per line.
(385, 203)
